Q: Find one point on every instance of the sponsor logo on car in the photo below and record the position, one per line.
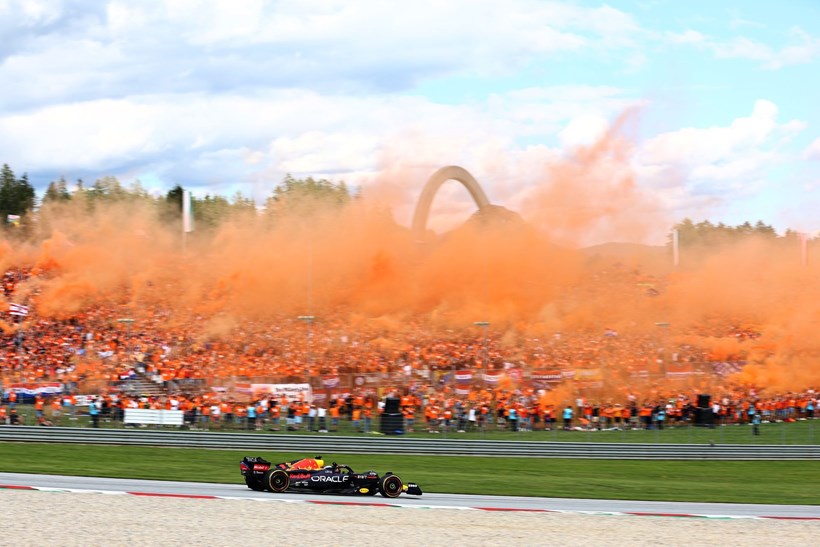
(330, 478)
(260, 467)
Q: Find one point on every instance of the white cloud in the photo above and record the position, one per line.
(801, 48)
(324, 152)
(72, 136)
(812, 152)
(686, 37)
(85, 51)
(174, 89)
(743, 48)
(583, 131)
(712, 145)
(177, 136)
(716, 164)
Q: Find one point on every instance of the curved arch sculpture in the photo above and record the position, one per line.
(451, 172)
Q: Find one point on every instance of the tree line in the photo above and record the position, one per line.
(17, 196)
(708, 234)
(291, 196)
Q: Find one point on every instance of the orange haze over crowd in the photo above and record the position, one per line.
(361, 274)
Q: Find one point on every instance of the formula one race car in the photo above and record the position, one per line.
(312, 475)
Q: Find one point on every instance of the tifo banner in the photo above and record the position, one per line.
(728, 367)
(34, 388)
(588, 374)
(542, 378)
(589, 378)
(675, 370)
(322, 397)
(493, 378)
(27, 391)
(330, 381)
(464, 377)
(368, 380)
(293, 392)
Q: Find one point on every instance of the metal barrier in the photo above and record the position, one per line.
(382, 445)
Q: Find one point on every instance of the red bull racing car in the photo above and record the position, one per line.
(312, 475)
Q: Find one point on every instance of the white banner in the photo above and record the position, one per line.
(293, 392)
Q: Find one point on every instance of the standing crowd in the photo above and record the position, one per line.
(93, 351)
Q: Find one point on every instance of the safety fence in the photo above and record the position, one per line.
(405, 445)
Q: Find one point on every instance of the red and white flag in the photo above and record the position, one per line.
(18, 309)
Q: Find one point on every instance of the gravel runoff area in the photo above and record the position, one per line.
(90, 519)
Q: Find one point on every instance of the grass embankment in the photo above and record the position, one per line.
(699, 481)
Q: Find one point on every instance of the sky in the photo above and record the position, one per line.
(708, 110)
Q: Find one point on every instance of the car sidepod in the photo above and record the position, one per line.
(366, 484)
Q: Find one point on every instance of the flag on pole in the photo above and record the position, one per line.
(187, 217)
(804, 248)
(18, 309)
(675, 248)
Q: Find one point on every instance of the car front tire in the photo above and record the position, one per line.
(391, 486)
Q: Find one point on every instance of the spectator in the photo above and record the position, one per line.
(321, 413)
(94, 412)
(567, 416)
(311, 416)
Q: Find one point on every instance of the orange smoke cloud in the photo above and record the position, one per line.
(593, 194)
(358, 271)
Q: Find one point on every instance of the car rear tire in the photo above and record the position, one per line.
(391, 486)
(277, 480)
(254, 484)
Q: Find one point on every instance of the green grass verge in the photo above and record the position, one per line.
(696, 481)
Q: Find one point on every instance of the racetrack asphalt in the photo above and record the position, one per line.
(428, 500)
